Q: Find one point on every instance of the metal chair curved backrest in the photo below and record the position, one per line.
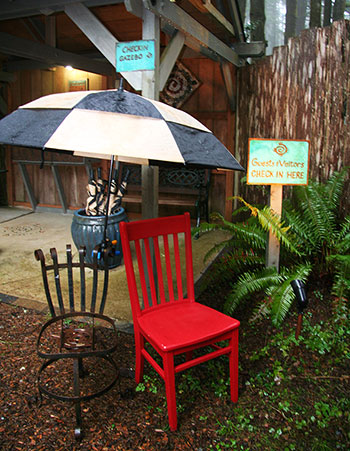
(165, 313)
(77, 329)
(57, 267)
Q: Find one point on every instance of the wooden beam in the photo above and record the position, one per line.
(10, 9)
(59, 187)
(35, 28)
(13, 45)
(169, 57)
(101, 38)
(230, 175)
(134, 7)
(24, 64)
(150, 78)
(150, 89)
(236, 20)
(191, 43)
(28, 185)
(250, 49)
(208, 8)
(227, 76)
(50, 31)
(182, 21)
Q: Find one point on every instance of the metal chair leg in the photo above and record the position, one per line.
(76, 369)
(82, 371)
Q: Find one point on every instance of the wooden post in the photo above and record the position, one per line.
(150, 89)
(273, 247)
(229, 186)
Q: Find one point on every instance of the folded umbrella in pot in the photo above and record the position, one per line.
(91, 189)
(101, 198)
(116, 201)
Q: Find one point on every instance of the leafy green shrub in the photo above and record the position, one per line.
(314, 241)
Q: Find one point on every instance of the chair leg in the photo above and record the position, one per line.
(140, 360)
(78, 429)
(82, 372)
(169, 379)
(233, 363)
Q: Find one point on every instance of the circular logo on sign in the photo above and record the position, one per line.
(281, 149)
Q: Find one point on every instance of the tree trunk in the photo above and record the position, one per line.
(291, 20)
(257, 20)
(327, 13)
(301, 16)
(315, 13)
(338, 9)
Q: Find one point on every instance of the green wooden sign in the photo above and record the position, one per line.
(278, 162)
(135, 55)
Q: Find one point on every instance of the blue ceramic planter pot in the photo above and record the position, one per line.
(88, 231)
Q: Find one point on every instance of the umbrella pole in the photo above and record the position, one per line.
(107, 201)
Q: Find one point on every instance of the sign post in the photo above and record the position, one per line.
(277, 163)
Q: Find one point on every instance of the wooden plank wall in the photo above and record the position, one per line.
(302, 91)
(208, 104)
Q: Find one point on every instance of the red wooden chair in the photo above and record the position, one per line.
(165, 313)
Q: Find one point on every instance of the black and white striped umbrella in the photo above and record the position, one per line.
(101, 124)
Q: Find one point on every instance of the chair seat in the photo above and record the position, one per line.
(184, 324)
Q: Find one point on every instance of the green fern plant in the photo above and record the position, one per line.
(314, 240)
(313, 216)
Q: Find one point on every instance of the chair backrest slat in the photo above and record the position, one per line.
(169, 272)
(70, 277)
(151, 275)
(61, 271)
(189, 268)
(39, 255)
(141, 274)
(157, 258)
(57, 279)
(160, 280)
(82, 279)
(178, 267)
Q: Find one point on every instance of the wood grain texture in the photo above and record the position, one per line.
(301, 91)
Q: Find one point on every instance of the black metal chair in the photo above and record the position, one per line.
(85, 338)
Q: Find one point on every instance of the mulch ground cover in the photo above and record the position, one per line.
(135, 418)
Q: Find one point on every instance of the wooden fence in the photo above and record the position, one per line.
(302, 91)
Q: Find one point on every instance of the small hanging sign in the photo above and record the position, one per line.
(135, 55)
(278, 162)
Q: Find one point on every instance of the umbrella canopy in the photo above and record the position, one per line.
(115, 122)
